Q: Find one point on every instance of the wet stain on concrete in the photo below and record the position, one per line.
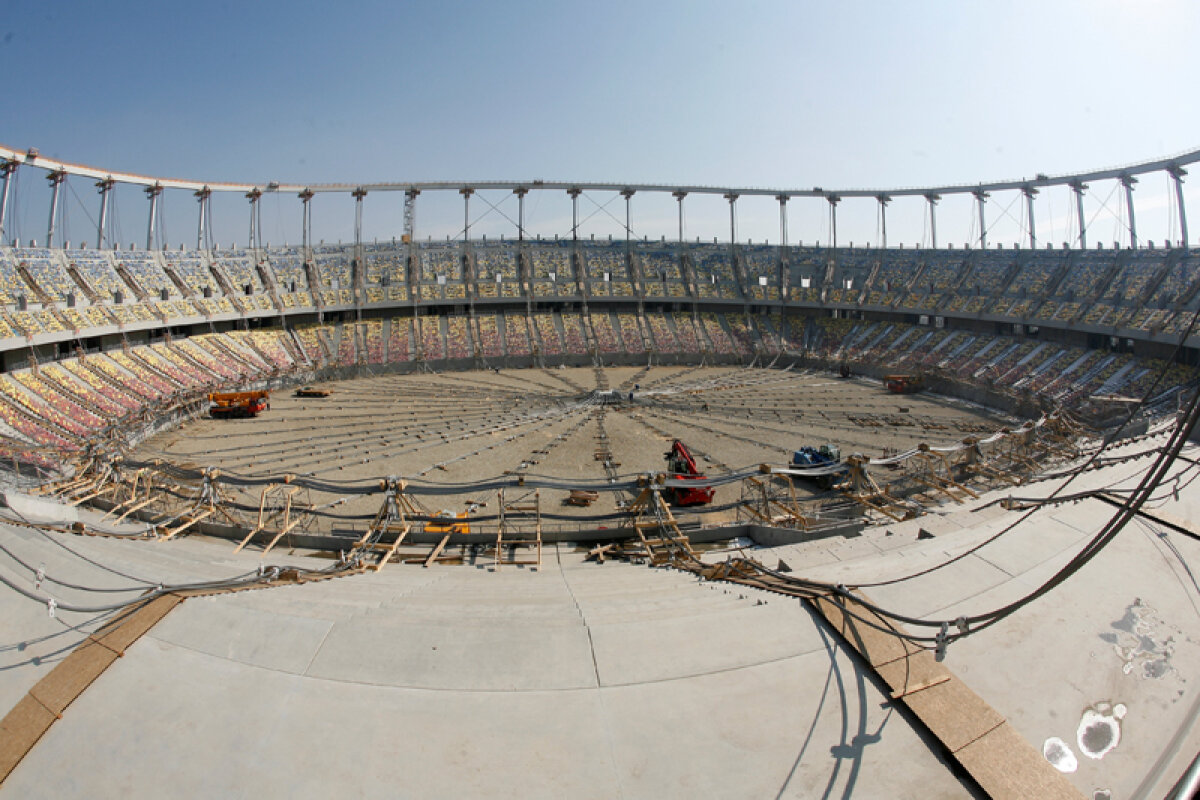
(1099, 730)
(1059, 754)
(1142, 641)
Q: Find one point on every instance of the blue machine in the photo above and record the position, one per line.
(827, 455)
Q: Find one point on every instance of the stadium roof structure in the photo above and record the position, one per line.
(1127, 176)
(33, 158)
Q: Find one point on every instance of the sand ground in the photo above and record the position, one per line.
(467, 427)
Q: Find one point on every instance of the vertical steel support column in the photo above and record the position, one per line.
(253, 196)
(1177, 174)
(980, 198)
(783, 243)
(732, 198)
(574, 213)
(203, 239)
(1128, 181)
(1079, 188)
(152, 222)
(104, 187)
(883, 204)
(357, 273)
(1029, 193)
(524, 271)
(628, 193)
(410, 230)
(833, 201)
(7, 168)
(199, 195)
(410, 214)
(358, 195)
(466, 193)
(783, 232)
(679, 194)
(932, 199)
(520, 192)
(56, 180)
(305, 222)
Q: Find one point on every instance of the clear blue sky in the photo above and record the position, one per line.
(782, 94)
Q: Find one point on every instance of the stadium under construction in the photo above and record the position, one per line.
(580, 517)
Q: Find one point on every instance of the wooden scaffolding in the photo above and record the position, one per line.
(519, 530)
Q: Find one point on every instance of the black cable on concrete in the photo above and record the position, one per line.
(1071, 475)
(51, 579)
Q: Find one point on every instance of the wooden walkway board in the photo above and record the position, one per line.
(979, 738)
(33, 715)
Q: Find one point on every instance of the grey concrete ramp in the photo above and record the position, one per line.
(809, 726)
(234, 731)
(169, 720)
(463, 658)
(283, 642)
(679, 689)
(632, 652)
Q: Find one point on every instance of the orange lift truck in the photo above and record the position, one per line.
(226, 405)
(903, 384)
(445, 523)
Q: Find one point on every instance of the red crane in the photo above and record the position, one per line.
(681, 466)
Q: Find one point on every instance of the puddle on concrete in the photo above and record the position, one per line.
(1099, 730)
(1142, 641)
(1059, 754)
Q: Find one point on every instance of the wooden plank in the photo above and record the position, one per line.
(955, 714)
(71, 485)
(33, 715)
(20, 730)
(246, 541)
(135, 507)
(875, 646)
(90, 496)
(391, 549)
(600, 551)
(1007, 766)
(917, 687)
(72, 675)
(120, 633)
(938, 487)
(205, 514)
(982, 741)
(279, 535)
(918, 669)
(437, 551)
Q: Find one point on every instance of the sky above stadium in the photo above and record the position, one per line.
(778, 94)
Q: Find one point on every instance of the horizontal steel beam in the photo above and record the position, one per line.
(34, 159)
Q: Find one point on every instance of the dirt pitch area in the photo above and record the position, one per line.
(466, 427)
